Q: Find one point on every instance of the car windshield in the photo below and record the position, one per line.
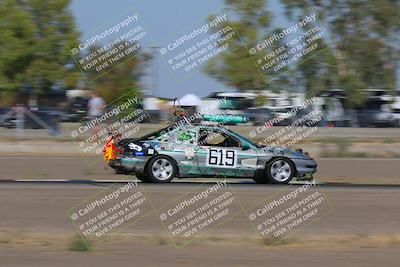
(243, 138)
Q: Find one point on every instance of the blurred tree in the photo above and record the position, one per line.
(121, 79)
(33, 39)
(363, 47)
(236, 68)
(364, 50)
(261, 100)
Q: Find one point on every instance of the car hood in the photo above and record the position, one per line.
(280, 151)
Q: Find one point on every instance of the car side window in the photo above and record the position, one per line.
(168, 135)
(216, 138)
(180, 135)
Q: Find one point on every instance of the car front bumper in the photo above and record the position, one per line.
(305, 168)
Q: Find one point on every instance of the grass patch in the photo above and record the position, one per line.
(342, 151)
(80, 244)
(389, 141)
(337, 154)
(162, 240)
(394, 241)
(274, 241)
(215, 238)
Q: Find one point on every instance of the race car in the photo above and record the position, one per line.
(189, 150)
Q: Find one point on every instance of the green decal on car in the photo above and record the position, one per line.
(184, 137)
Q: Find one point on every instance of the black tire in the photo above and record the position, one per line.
(280, 171)
(119, 171)
(260, 180)
(165, 175)
(142, 177)
(260, 177)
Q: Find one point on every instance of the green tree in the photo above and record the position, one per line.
(120, 79)
(33, 39)
(237, 68)
(364, 51)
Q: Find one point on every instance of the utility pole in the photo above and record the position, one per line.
(154, 70)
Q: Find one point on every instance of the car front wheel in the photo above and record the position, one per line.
(280, 171)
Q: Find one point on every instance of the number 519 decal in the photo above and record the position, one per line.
(223, 158)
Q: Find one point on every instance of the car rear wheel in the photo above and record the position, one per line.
(280, 171)
(119, 171)
(142, 177)
(161, 169)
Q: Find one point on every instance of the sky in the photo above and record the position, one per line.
(162, 19)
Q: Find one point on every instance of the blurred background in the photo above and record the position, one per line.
(356, 79)
(44, 98)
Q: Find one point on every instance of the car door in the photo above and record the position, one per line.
(220, 154)
(180, 144)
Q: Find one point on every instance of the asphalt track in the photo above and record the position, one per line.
(362, 229)
(330, 170)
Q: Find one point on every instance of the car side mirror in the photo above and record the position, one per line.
(245, 146)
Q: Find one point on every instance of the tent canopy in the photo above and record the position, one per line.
(189, 100)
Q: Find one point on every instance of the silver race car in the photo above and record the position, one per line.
(190, 150)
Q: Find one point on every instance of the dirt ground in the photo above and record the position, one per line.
(325, 142)
(206, 254)
(361, 230)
